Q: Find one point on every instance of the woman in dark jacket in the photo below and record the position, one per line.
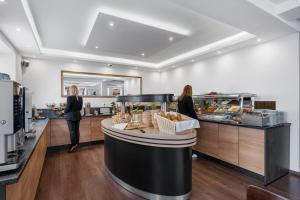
(185, 102)
(72, 111)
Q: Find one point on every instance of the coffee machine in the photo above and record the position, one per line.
(11, 125)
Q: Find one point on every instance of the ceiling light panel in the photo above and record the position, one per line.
(128, 38)
(226, 42)
(146, 21)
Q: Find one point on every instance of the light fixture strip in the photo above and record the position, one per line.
(242, 36)
(32, 23)
(91, 57)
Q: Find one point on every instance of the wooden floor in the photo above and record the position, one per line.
(82, 176)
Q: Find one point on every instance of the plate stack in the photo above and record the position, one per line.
(147, 120)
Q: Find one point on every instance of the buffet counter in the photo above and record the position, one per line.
(234, 123)
(150, 164)
(262, 152)
(25, 180)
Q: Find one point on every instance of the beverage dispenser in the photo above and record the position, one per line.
(11, 125)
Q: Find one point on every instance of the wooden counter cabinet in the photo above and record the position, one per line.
(264, 151)
(252, 149)
(90, 130)
(207, 139)
(85, 130)
(229, 144)
(96, 131)
(59, 132)
(26, 187)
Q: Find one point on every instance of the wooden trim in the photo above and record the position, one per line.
(91, 73)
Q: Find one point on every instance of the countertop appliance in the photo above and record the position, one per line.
(4, 76)
(27, 110)
(11, 125)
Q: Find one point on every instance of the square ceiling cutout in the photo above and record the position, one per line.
(121, 36)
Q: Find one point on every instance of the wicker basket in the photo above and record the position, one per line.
(169, 127)
(154, 122)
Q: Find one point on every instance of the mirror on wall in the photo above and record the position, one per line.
(100, 85)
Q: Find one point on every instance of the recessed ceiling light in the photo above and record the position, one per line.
(171, 39)
(143, 54)
(18, 29)
(2, 1)
(111, 24)
(96, 47)
(145, 20)
(219, 52)
(192, 60)
(258, 40)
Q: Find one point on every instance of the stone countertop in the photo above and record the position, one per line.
(30, 144)
(244, 125)
(150, 136)
(64, 117)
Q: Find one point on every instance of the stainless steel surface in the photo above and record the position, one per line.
(145, 194)
(27, 110)
(227, 96)
(14, 161)
(4, 76)
(11, 118)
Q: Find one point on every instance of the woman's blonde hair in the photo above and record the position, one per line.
(73, 91)
(187, 91)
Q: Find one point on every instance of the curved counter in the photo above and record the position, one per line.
(151, 164)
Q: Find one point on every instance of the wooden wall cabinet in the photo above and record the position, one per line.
(25, 188)
(229, 144)
(252, 149)
(207, 139)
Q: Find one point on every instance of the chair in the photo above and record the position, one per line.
(257, 193)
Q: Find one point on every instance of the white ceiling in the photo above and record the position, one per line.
(278, 1)
(73, 28)
(127, 38)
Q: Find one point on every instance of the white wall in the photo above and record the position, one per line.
(270, 70)
(43, 78)
(7, 64)
(10, 60)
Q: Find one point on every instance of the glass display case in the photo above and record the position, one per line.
(219, 106)
(223, 107)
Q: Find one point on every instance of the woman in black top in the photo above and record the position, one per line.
(72, 111)
(185, 102)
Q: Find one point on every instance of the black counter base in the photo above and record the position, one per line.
(2, 192)
(150, 172)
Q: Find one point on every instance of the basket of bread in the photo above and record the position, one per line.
(175, 123)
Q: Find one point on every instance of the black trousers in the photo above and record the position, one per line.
(74, 131)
